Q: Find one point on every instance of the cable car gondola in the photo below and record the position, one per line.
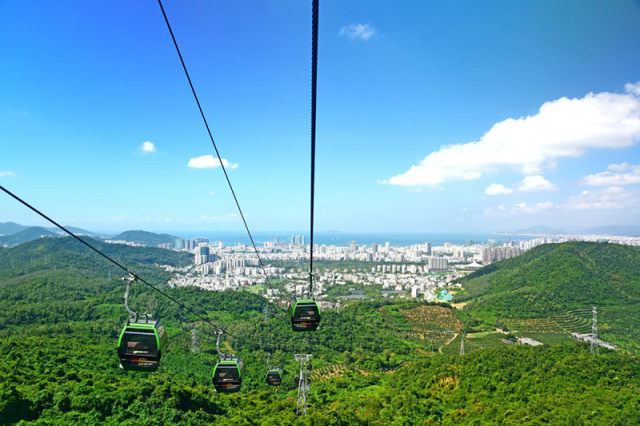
(227, 375)
(228, 372)
(305, 315)
(274, 374)
(141, 341)
(140, 345)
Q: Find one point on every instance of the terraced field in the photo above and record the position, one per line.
(535, 324)
(328, 372)
(578, 321)
(430, 317)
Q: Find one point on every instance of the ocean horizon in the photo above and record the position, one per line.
(343, 239)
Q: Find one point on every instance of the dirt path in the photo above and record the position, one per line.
(448, 341)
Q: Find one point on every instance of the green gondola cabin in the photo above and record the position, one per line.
(305, 315)
(227, 375)
(141, 344)
(274, 376)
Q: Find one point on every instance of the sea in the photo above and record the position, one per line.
(344, 239)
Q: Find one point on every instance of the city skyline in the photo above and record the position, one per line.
(428, 121)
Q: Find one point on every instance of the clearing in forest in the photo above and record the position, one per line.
(429, 317)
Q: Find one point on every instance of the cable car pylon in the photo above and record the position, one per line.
(303, 385)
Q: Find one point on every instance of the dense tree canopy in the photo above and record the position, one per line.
(375, 362)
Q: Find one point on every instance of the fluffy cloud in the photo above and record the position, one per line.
(6, 173)
(535, 183)
(561, 128)
(524, 208)
(210, 162)
(497, 189)
(617, 175)
(358, 31)
(147, 147)
(612, 197)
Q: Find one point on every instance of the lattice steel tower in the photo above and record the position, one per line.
(595, 347)
(303, 386)
(195, 347)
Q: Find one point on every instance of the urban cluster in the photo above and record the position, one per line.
(418, 270)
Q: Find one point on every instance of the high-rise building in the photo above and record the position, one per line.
(178, 244)
(438, 263)
(495, 254)
(353, 246)
(302, 240)
(202, 254)
(374, 248)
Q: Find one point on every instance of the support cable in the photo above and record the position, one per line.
(213, 142)
(314, 84)
(110, 259)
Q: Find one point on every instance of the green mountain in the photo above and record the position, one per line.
(75, 230)
(557, 285)
(28, 234)
(8, 228)
(65, 253)
(144, 237)
(12, 234)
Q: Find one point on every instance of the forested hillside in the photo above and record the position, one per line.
(145, 237)
(28, 234)
(561, 283)
(375, 362)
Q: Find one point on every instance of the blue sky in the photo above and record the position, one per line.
(429, 114)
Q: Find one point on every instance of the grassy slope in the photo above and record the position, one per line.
(560, 279)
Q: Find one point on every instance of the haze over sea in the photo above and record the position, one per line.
(343, 239)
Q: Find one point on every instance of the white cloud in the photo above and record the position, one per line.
(231, 217)
(535, 183)
(358, 31)
(210, 193)
(519, 208)
(622, 174)
(561, 128)
(210, 162)
(147, 147)
(622, 167)
(497, 189)
(612, 197)
(6, 173)
(524, 208)
(633, 88)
